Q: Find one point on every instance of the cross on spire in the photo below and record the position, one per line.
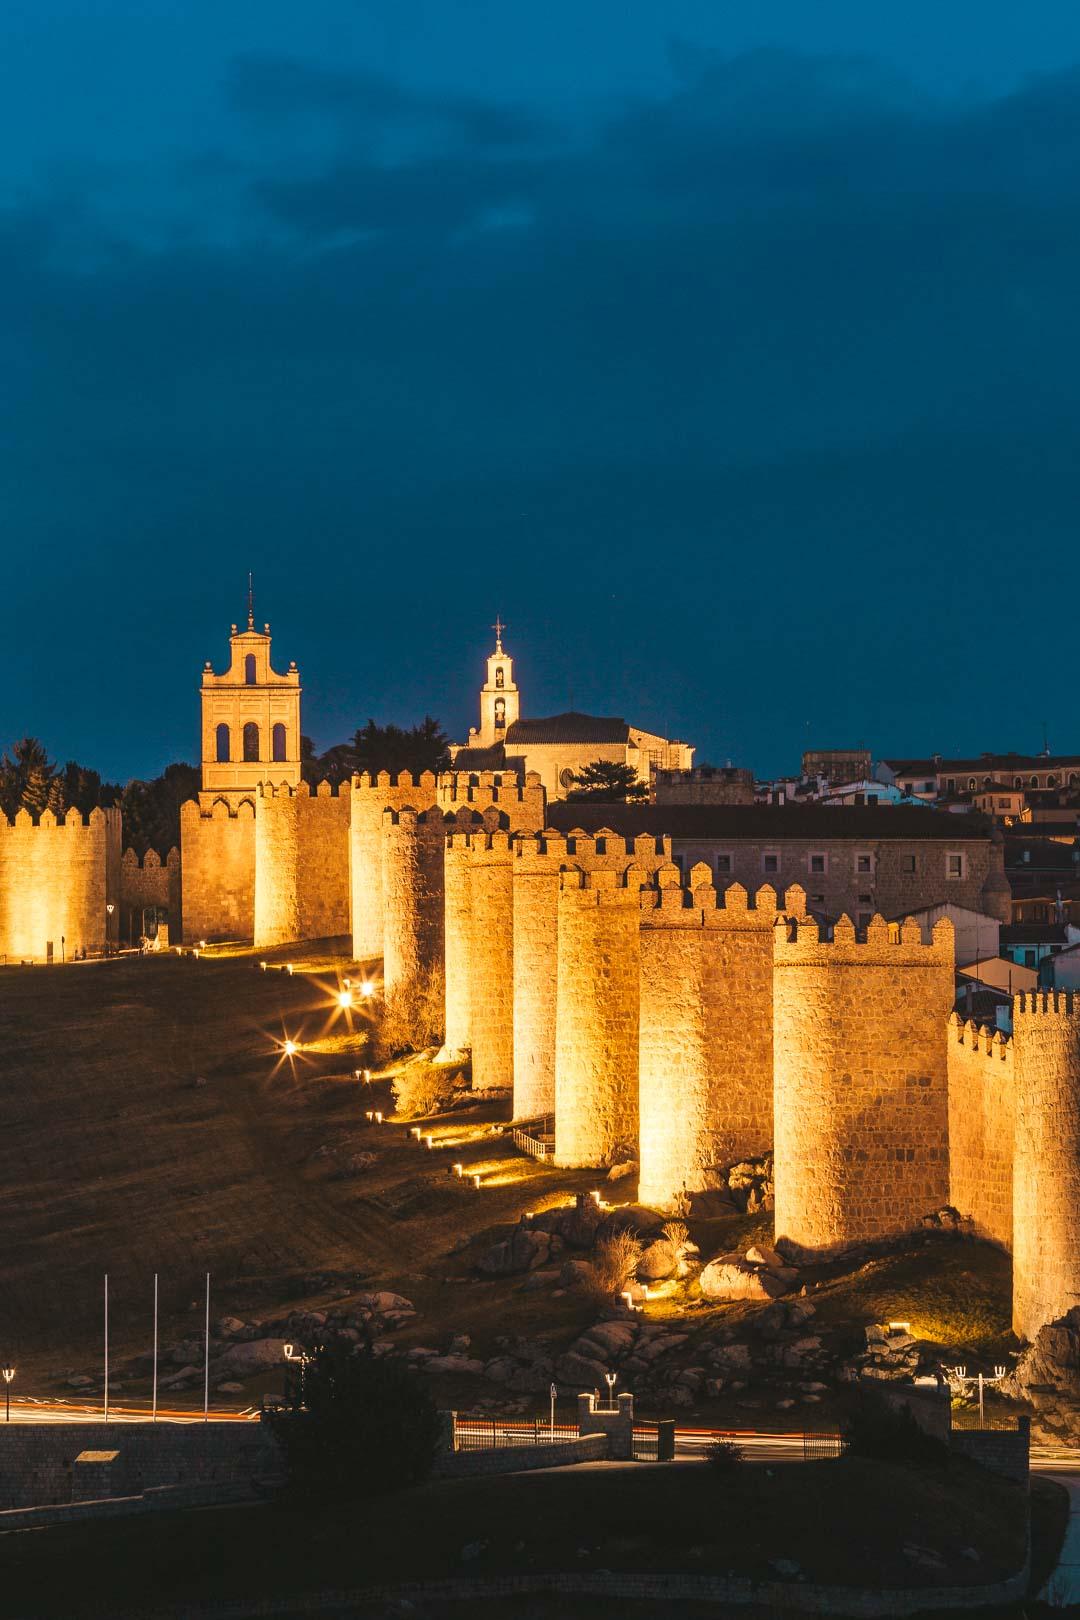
(498, 628)
(251, 604)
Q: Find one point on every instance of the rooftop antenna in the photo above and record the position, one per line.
(498, 628)
(251, 604)
(1046, 745)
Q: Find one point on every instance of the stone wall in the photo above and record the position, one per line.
(217, 862)
(149, 882)
(37, 1460)
(412, 892)
(301, 864)
(706, 1052)
(982, 1098)
(56, 879)
(1046, 1169)
(860, 1094)
(491, 976)
(538, 860)
(596, 1041)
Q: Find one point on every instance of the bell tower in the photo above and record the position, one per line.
(250, 717)
(500, 700)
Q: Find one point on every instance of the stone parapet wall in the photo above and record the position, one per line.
(982, 1121)
(145, 883)
(412, 890)
(491, 975)
(860, 1091)
(1046, 1169)
(521, 1459)
(57, 875)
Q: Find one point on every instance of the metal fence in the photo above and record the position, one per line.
(969, 1417)
(646, 1440)
(818, 1445)
(474, 1431)
(536, 1138)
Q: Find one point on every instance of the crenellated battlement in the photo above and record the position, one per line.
(450, 789)
(150, 862)
(602, 887)
(71, 821)
(303, 790)
(980, 1040)
(208, 807)
(798, 941)
(1047, 1004)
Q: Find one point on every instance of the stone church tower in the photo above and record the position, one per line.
(500, 701)
(250, 718)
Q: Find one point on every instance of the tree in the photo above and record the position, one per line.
(606, 779)
(151, 809)
(376, 748)
(354, 1425)
(25, 775)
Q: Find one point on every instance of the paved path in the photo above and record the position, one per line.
(1062, 1463)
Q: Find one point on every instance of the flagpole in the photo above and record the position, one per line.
(155, 1342)
(206, 1364)
(106, 1347)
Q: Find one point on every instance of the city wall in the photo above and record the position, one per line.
(706, 1035)
(982, 1122)
(301, 864)
(1046, 1166)
(217, 856)
(150, 882)
(57, 878)
(860, 1091)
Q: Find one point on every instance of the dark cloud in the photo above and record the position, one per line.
(753, 407)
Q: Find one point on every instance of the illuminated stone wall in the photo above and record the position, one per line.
(596, 1042)
(412, 889)
(491, 976)
(538, 861)
(860, 1101)
(1046, 1170)
(706, 1074)
(982, 1121)
(149, 882)
(56, 879)
(457, 915)
(217, 864)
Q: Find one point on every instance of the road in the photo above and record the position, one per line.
(59, 1411)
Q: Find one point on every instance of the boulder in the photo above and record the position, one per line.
(729, 1277)
(384, 1301)
(454, 1364)
(760, 1255)
(228, 1327)
(526, 1248)
(255, 1355)
(619, 1172)
(542, 1278)
(1051, 1363)
(501, 1369)
(659, 1261)
(582, 1371)
(532, 1380)
(731, 1357)
(230, 1387)
(458, 1345)
(610, 1338)
(575, 1273)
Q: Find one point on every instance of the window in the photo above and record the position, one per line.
(500, 676)
(251, 741)
(1029, 959)
(1018, 781)
(1003, 804)
(954, 865)
(908, 863)
(223, 744)
(928, 787)
(770, 862)
(1034, 781)
(249, 669)
(951, 783)
(971, 784)
(819, 864)
(723, 865)
(500, 713)
(278, 742)
(866, 899)
(1051, 780)
(864, 863)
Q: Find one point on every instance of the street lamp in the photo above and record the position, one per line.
(611, 1379)
(959, 1380)
(110, 908)
(7, 1373)
(367, 989)
(300, 1359)
(554, 1392)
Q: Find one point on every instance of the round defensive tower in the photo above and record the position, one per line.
(537, 862)
(1046, 1166)
(596, 1043)
(492, 959)
(412, 890)
(706, 1084)
(860, 1091)
(277, 865)
(457, 913)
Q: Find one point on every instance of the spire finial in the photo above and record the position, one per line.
(251, 604)
(498, 628)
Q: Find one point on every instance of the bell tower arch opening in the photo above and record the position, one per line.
(250, 717)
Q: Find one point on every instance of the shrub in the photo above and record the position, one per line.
(413, 1015)
(425, 1088)
(724, 1456)
(614, 1264)
(889, 1434)
(354, 1425)
(677, 1233)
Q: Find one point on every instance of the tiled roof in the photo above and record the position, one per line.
(481, 759)
(768, 823)
(568, 728)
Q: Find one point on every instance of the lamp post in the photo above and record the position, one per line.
(7, 1373)
(959, 1380)
(300, 1358)
(109, 908)
(611, 1379)
(554, 1392)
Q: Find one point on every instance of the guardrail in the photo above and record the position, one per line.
(475, 1431)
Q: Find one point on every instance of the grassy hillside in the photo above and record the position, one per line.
(149, 1122)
